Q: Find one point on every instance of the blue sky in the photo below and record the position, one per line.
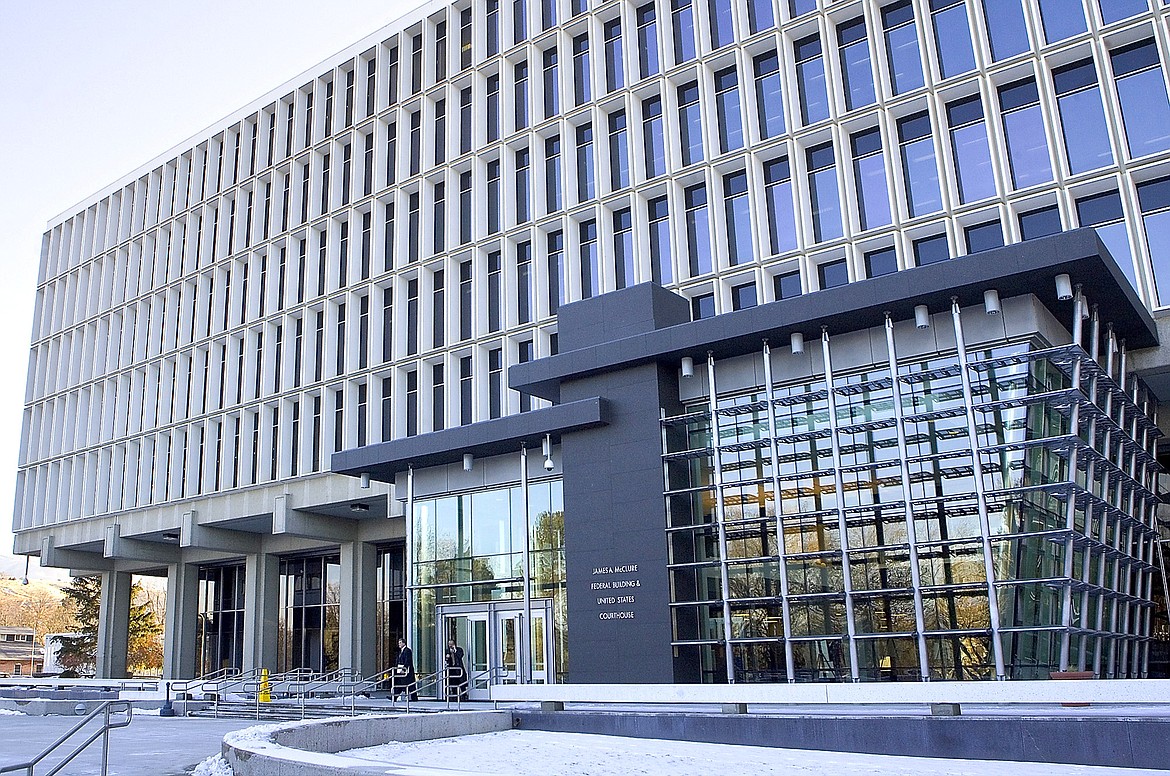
(94, 90)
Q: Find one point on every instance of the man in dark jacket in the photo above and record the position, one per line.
(456, 672)
(404, 680)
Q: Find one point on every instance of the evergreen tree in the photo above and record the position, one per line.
(144, 633)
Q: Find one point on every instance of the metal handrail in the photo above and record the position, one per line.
(304, 689)
(106, 709)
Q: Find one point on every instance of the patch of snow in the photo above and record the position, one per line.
(11, 713)
(539, 753)
(213, 766)
(146, 712)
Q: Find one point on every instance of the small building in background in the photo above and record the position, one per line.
(20, 655)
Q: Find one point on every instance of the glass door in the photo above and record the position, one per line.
(508, 647)
(490, 635)
(470, 631)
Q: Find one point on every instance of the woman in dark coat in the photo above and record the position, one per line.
(404, 680)
(456, 672)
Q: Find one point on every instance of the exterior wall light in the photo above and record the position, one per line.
(797, 342)
(468, 462)
(546, 448)
(922, 316)
(688, 366)
(991, 302)
(1064, 290)
(365, 479)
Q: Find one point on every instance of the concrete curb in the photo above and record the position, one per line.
(309, 748)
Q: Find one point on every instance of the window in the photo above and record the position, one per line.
(822, 184)
(413, 225)
(722, 24)
(760, 15)
(492, 31)
(586, 186)
(495, 382)
(520, 78)
(648, 63)
(703, 306)
(683, 21)
(552, 174)
(523, 185)
(1040, 223)
(551, 90)
(728, 111)
(903, 56)
(581, 72)
(519, 21)
(1062, 19)
(740, 240)
(466, 393)
(439, 218)
(786, 286)
(387, 240)
(556, 250)
(623, 248)
(833, 274)
(661, 268)
(883, 261)
(810, 73)
(918, 165)
(969, 145)
(952, 37)
(983, 237)
(930, 250)
(493, 196)
(654, 141)
(619, 151)
(493, 107)
(524, 282)
(769, 102)
(548, 14)
(1116, 10)
(781, 212)
(856, 67)
(869, 170)
(525, 352)
(391, 152)
(1142, 92)
(438, 308)
(1078, 98)
(465, 296)
(441, 51)
(1005, 28)
(743, 297)
(465, 207)
(465, 38)
(1104, 212)
(416, 63)
(614, 66)
(411, 317)
(590, 271)
(690, 123)
(698, 230)
(1023, 127)
(495, 282)
(415, 142)
(1154, 199)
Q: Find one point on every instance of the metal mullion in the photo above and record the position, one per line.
(1071, 505)
(1086, 563)
(907, 507)
(785, 613)
(842, 528)
(408, 626)
(729, 663)
(980, 491)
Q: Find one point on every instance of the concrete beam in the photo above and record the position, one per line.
(288, 520)
(55, 557)
(118, 546)
(193, 535)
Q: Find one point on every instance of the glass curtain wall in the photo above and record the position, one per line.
(868, 569)
(470, 548)
(310, 609)
(219, 631)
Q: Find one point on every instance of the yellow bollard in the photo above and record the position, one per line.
(265, 687)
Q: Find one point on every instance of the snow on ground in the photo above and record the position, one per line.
(541, 753)
(11, 713)
(213, 766)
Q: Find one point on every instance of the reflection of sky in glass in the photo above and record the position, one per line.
(1158, 238)
(814, 100)
(874, 195)
(782, 223)
(858, 74)
(1116, 10)
(905, 58)
(730, 122)
(1116, 239)
(1062, 19)
(771, 105)
(922, 188)
(1145, 112)
(739, 227)
(973, 158)
(1027, 148)
(1086, 137)
(826, 204)
(954, 41)
(1005, 25)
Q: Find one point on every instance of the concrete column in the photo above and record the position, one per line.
(113, 625)
(359, 599)
(179, 648)
(261, 610)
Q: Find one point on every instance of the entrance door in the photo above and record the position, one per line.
(490, 634)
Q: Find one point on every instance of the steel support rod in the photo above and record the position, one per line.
(717, 470)
(782, 555)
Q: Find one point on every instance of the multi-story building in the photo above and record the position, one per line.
(20, 655)
(618, 339)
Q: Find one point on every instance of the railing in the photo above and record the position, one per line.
(108, 712)
(333, 679)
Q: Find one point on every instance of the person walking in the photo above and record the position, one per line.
(404, 679)
(457, 686)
